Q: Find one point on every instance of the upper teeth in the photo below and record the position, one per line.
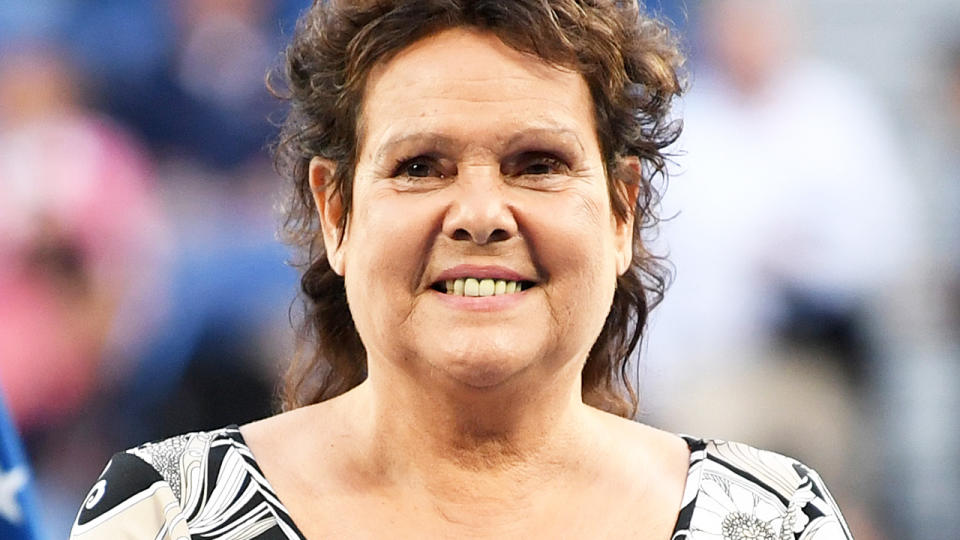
(481, 287)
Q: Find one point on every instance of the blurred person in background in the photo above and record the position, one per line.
(790, 219)
(81, 244)
(78, 209)
(503, 413)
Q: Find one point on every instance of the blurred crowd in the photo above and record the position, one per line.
(811, 220)
(812, 294)
(143, 290)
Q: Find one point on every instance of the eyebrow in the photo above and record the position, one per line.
(435, 140)
(532, 135)
(445, 143)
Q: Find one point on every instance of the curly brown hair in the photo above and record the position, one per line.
(631, 64)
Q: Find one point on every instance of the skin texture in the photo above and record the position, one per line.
(471, 422)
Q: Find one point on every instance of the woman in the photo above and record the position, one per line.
(471, 180)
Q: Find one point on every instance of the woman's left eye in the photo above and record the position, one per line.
(541, 165)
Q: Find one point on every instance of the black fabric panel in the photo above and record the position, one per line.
(125, 476)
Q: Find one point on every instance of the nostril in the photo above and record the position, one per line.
(498, 235)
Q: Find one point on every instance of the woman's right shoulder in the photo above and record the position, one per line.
(141, 491)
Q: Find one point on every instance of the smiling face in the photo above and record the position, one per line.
(477, 162)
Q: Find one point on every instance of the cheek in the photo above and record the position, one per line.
(384, 258)
(584, 239)
(577, 252)
(388, 236)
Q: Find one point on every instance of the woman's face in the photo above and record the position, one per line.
(476, 163)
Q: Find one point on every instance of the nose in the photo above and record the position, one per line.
(481, 212)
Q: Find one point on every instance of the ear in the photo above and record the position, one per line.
(330, 207)
(627, 182)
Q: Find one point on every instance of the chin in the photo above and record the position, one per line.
(481, 369)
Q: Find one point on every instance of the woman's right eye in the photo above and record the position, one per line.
(419, 167)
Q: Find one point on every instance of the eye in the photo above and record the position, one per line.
(418, 167)
(540, 164)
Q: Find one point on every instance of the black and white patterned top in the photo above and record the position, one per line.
(208, 485)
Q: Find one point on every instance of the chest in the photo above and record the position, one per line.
(585, 515)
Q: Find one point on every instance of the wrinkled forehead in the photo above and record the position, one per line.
(468, 84)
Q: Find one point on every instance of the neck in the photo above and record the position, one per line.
(490, 461)
(449, 430)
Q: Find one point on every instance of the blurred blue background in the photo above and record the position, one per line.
(814, 232)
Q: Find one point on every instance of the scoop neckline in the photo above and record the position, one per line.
(690, 487)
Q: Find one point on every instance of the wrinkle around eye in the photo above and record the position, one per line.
(415, 184)
(553, 182)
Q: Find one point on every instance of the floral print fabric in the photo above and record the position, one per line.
(737, 492)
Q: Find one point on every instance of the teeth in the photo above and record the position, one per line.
(471, 287)
(486, 287)
(481, 287)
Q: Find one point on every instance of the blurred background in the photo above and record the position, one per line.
(813, 228)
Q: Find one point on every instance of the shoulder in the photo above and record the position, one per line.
(179, 460)
(735, 489)
(130, 495)
(151, 489)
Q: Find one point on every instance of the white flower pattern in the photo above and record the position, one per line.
(742, 493)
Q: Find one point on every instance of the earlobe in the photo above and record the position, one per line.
(627, 181)
(625, 252)
(330, 209)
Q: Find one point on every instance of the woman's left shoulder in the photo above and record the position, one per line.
(735, 490)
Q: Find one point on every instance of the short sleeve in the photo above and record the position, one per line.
(815, 513)
(737, 491)
(130, 501)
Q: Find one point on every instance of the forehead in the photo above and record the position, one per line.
(467, 83)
